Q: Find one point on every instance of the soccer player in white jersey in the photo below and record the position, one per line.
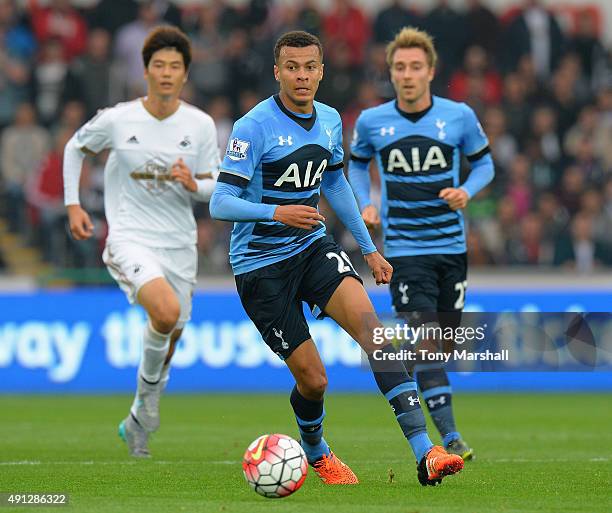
(163, 154)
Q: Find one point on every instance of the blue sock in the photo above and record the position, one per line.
(449, 437)
(309, 416)
(437, 394)
(400, 390)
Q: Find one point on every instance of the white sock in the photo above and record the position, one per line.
(154, 351)
(165, 377)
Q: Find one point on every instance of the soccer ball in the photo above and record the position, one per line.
(275, 465)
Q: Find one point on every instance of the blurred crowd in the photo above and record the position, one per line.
(541, 88)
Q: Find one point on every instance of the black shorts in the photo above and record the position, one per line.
(272, 296)
(430, 283)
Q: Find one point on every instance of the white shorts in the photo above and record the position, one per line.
(132, 265)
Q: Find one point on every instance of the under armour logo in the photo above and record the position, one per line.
(441, 124)
(282, 140)
(279, 334)
(432, 402)
(403, 289)
(387, 131)
(413, 400)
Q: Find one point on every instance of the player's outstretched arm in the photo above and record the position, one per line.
(227, 205)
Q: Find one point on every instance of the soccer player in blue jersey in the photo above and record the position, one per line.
(417, 141)
(281, 155)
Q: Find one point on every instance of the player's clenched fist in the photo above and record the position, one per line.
(381, 269)
(182, 174)
(298, 216)
(370, 217)
(81, 226)
(456, 198)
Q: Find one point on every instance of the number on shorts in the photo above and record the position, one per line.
(460, 287)
(344, 263)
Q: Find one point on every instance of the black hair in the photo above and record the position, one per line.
(166, 37)
(297, 39)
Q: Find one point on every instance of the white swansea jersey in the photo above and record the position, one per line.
(142, 203)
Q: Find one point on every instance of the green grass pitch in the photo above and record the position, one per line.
(535, 453)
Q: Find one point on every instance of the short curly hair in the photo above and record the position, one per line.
(297, 39)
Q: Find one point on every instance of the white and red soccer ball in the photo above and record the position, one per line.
(275, 465)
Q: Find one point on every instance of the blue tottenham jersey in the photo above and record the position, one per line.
(279, 158)
(417, 157)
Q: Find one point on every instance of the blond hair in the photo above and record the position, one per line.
(410, 37)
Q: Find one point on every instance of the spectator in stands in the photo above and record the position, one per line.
(245, 67)
(340, 83)
(479, 253)
(578, 249)
(391, 20)
(220, 109)
(447, 27)
(45, 197)
(543, 135)
(71, 118)
(519, 190)
(377, 72)
(586, 126)
(365, 98)
(22, 147)
(587, 45)
(604, 133)
(16, 46)
(553, 216)
(528, 247)
(62, 22)
(49, 81)
(208, 71)
(111, 15)
(570, 190)
(587, 163)
(498, 236)
(516, 106)
(15, 36)
(563, 98)
(481, 27)
(591, 203)
(310, 17)
(130, 38)
(536, 33)
(89, 77)
(476, 67)
(346, 29)
(503, 145)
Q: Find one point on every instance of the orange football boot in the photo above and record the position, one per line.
(436, 464)
(333, 471)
